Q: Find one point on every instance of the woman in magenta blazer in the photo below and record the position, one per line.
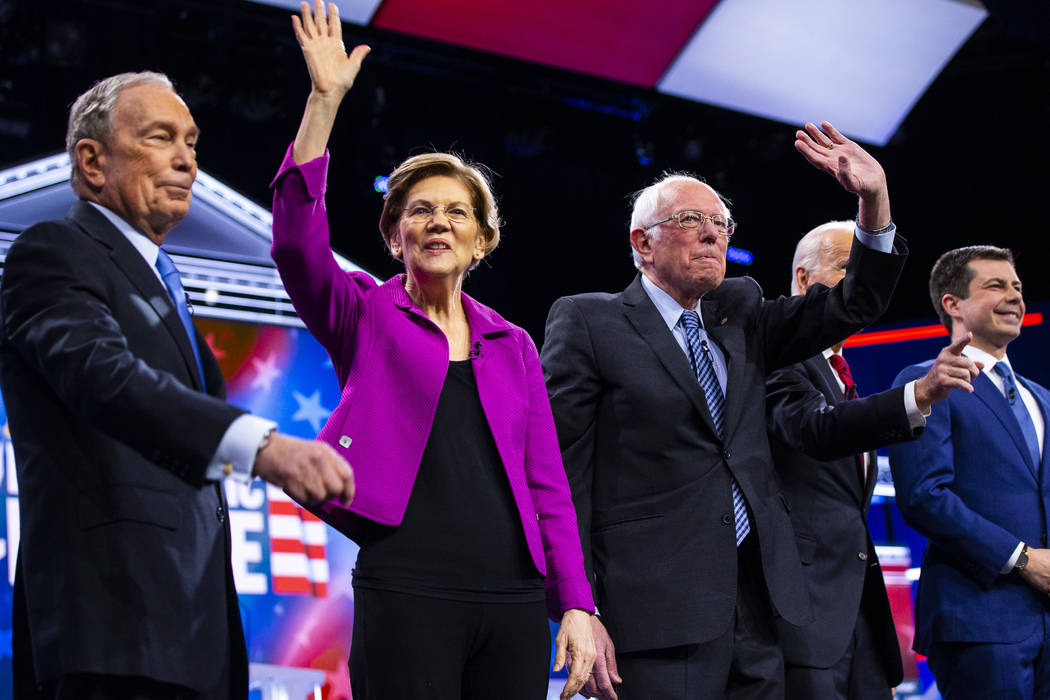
(463, 513)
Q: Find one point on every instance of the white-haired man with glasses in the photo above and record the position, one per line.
(659, 399)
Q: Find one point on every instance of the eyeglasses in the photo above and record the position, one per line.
(691, 220)
(423, 213)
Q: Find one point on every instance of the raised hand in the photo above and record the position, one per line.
(332, 70)
(855, 169)
(332, 73)
(951, 370)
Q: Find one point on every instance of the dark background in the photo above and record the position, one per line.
(968, 165)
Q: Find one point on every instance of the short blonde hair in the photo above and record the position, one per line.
(473, 175)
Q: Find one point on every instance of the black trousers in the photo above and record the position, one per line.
(744, 663)
(96, 686)
(408, 646)
(859, 675)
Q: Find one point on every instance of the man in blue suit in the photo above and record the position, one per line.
(973, 484)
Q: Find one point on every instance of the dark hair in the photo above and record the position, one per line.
(952, 274)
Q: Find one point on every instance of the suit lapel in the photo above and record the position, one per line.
(987, 392)
(730, 338)
(860, 483)
(642, 314)
(131, 263)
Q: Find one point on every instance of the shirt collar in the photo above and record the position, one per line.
(669, 309)
(989, 361)
(142, 243)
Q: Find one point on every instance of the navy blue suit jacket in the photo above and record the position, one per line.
(124, 560)
(969, 485)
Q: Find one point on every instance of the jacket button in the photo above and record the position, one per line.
(220, 514)
(345, 441)
(727, 453)
(727, 519)
(863, 556)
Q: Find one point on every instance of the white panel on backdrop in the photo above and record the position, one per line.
(860, 65)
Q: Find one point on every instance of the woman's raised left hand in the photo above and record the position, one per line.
(320, 35)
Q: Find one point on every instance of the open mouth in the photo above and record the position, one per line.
(437, 245)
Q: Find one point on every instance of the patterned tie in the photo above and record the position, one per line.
(178, 295)
(839, 364)
(1024, 419)
(703, 367)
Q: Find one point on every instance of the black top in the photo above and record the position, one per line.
(461, 537)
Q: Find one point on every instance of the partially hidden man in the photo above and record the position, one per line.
(823, 434)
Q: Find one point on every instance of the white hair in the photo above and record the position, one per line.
(91, 116)
(807, 252)
(647, 204)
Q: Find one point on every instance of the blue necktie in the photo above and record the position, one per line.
(170, 275)
(1024, 419)
(703, 367)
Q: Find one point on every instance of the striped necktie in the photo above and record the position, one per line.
(704, 368)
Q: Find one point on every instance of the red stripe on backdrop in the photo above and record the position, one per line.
(283, 508)
(283, 546)
(916, 333)
(633, 41)
(291, 584)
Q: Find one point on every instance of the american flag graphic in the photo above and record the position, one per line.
(298, 561)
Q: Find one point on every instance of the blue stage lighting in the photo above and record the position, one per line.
(740, 255)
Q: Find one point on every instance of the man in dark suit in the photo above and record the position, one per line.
(685, 531)
(823, 439)
(124, 587)
(975, 485)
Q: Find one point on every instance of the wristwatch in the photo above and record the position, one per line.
(1022, 559)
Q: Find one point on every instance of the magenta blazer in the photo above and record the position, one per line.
(391, 361)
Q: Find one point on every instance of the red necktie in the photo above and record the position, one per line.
(839, 364)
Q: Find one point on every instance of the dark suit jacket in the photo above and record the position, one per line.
(651, 479)
(969, 485)
(817, 439)
(124, 561)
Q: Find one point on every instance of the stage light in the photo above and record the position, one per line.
(740, 255)
(381, 183)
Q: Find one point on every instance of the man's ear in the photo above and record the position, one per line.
(91, 161)
(642, 243)
(802, 279)
(950, 304)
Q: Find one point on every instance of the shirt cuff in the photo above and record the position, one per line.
(236, 454)
(882, 242)
(1013, 559)
(916, 418)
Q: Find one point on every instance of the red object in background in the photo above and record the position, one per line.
(895, 562)
(621, 40)
(916, 333)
